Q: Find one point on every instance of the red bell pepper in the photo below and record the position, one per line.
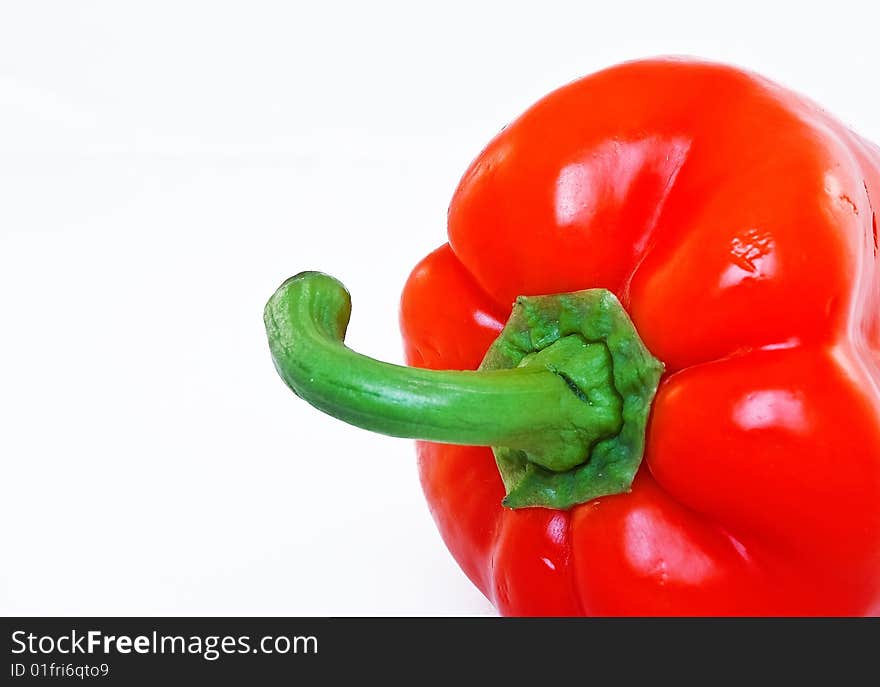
(677, 211)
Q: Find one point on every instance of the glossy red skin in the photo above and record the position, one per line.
(737, 224)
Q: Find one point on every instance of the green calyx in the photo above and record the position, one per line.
(562, 396)
(624, 382)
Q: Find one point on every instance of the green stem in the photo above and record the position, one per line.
(550, 407)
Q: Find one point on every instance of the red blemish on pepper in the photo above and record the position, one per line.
(876, 241)
(873, 218)
(846, 199)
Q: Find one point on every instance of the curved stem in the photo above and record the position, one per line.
(535, 407)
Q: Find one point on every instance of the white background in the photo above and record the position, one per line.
(164, 166)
